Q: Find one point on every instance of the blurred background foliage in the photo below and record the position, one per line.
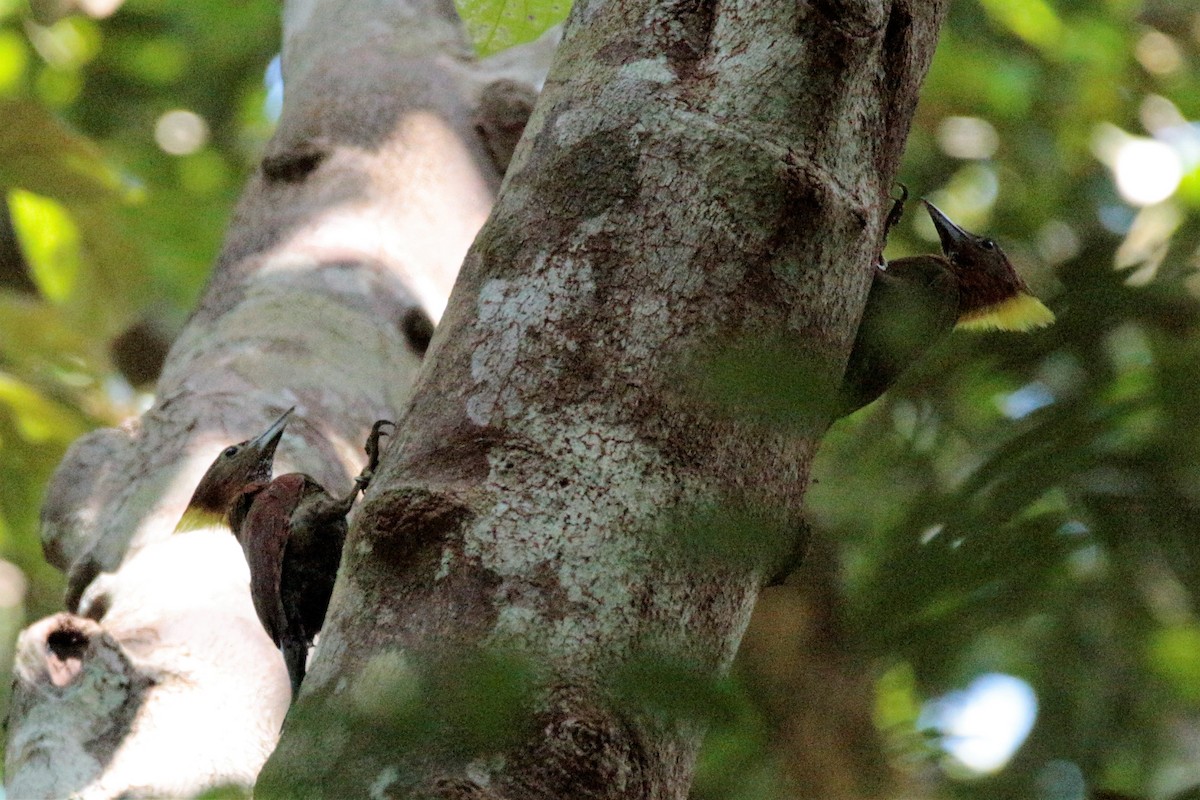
(126, 131)
(1014, 528)
(1000, 598)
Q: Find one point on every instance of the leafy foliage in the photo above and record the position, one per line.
(1027, 504)
(1020, 504)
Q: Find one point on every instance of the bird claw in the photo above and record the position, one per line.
(372, 450)
(372, 446)
(894, 215)
(897, 210)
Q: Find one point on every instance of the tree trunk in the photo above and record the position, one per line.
(346, 241)
(696, 177)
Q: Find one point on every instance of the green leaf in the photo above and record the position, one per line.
(50, 241)
(1172, 654)
(64, 196)
(496, 25)
(14, 60)
(1035, 21)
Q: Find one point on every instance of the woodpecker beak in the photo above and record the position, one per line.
(264, 446)
(255, 459)
(235, 469)
(250, 461)
(952, 236)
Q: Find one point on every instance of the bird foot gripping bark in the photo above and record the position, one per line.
(334, 507)
(894, 215)
(372, 450)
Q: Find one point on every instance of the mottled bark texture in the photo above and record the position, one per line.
(696, 176)
(344, 245)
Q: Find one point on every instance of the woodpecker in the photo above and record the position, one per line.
(231, 482)
(291, 530)
(914, 302)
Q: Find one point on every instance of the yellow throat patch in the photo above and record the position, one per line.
(195, 519)
(1021, 313)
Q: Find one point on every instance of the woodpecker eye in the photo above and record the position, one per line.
(230, 451)
(987, 244)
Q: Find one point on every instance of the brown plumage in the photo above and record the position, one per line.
(291, 531)
(991, 295)
(228, 485)
(915, 302)
(292, 537)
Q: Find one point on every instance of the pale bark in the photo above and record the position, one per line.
(696, 176)
(352, 231)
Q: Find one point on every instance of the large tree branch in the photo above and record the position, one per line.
(695, 176)
(345, 239)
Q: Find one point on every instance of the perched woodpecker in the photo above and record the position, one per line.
(291, 531)
(914, 302)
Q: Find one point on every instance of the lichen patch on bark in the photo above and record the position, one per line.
(509, 311)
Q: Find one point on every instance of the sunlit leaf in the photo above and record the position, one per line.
(1172, 653)
(14, 61)
(1035, 21)
(67, 44)
(50, 241)
(496, 25)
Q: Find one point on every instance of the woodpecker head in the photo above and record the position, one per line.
(239, 468)
(992, 296)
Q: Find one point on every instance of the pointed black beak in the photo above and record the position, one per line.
(236, 468)
(951, 236)
(264, 446)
